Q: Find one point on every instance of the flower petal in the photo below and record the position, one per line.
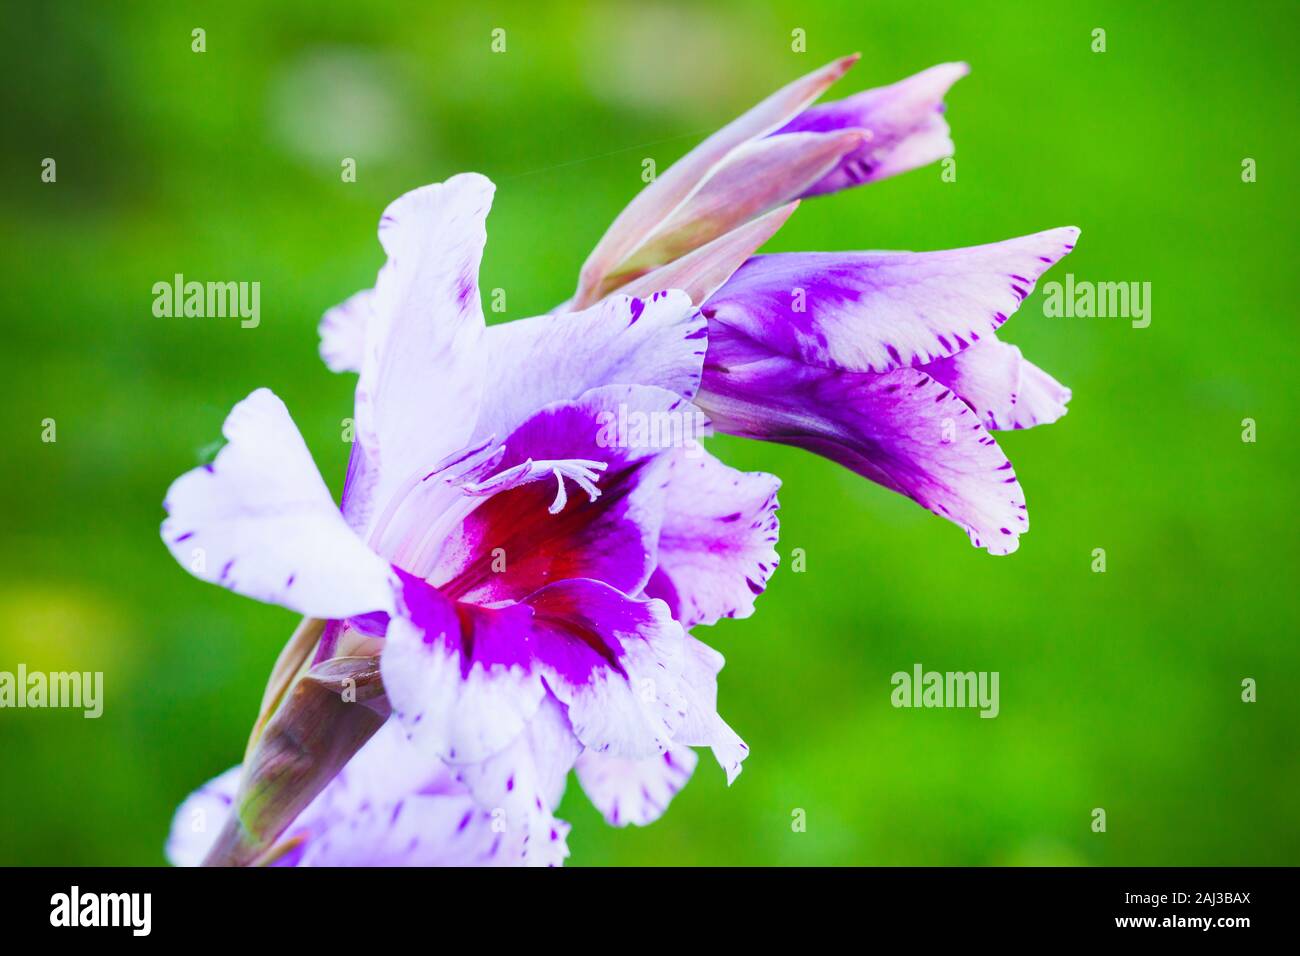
(522, 785)
(392, 806)
(755, 178)
(901, 429)
(656, 340)
(634, 791)
(877, 311)
(199, 819)
(701, 725)
(702, 272)
(1004, 389)
(418, 829)
(343, 333)
(459, 677)
(904, 121)
(717, 542)
(464, 681)
(614, 661)
(654, 204)
(422, 374)
(260, 521)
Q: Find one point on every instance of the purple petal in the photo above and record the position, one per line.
(615, 662)
(877, 311)
(459, 677)
(465, 681)
(901, 429)
(904, 123)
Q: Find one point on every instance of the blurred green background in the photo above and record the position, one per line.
(1118, 690)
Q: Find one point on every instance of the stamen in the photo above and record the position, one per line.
(561, 496)
(583, 472)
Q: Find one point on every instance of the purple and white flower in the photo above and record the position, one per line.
(526, 585)
(528, 596)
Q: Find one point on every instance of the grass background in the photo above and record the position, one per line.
(1119, 690)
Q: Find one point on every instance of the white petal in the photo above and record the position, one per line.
(260, 521)
(521, 785)
(343, 333)
(702, 726)
(200, 818)
(422, 375)
(634, 791)
(659, 340)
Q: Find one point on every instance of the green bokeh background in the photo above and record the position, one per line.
(1119, 690)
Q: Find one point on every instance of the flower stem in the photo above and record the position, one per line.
(325, 716)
